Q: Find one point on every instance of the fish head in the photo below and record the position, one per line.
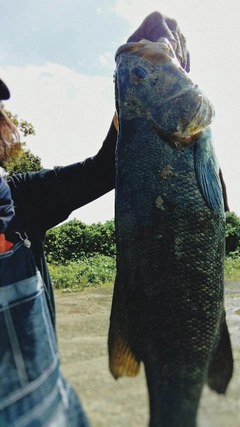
(151, 85)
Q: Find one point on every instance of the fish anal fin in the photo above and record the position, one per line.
(122, 361)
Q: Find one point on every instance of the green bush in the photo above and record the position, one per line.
(75, 240)
(232, 234)
(94, 271)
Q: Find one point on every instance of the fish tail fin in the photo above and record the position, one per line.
(221, 366)
(122, 361)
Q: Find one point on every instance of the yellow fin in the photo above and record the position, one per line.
(122, 361)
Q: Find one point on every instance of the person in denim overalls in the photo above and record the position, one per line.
(33, 391)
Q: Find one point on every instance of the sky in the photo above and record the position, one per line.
(57, 57)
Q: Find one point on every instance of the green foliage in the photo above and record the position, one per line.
(23, 126)
(81, 255)
(75, 240)
(94, 271)
(25, 162)
(232, 234)
(20, 159)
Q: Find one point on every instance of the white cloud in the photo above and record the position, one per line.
(135, 10)
(106, 60)
(70, 112)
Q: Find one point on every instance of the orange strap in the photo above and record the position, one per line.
(4, 244)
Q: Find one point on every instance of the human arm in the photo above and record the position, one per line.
(49, 196)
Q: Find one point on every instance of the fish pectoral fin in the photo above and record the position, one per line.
(122, 361)
(207, 171)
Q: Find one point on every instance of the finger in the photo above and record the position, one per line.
(152, 28)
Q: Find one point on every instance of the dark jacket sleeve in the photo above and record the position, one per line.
(51, 195)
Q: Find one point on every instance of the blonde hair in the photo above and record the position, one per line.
(10, 143)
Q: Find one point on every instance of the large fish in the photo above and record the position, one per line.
(168, 302)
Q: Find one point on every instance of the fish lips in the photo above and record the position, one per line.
(155, 52)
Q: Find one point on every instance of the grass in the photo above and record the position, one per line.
(232, 269)
(100, 270)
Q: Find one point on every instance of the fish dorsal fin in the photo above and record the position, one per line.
(207, 171)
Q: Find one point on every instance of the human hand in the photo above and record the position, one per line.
(157, 25)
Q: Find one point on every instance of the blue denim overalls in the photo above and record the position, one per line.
(33, 391)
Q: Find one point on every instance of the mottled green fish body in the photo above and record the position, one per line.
(168, 302)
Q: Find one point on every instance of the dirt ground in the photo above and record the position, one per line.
(82, 326)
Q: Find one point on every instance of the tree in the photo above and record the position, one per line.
(25, 162)
(23, 126)
(20, 159)
(74, 240)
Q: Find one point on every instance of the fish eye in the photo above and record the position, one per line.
(139, 72)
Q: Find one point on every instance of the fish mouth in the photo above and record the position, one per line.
(162, 50)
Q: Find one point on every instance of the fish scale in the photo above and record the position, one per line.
(168, 301)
